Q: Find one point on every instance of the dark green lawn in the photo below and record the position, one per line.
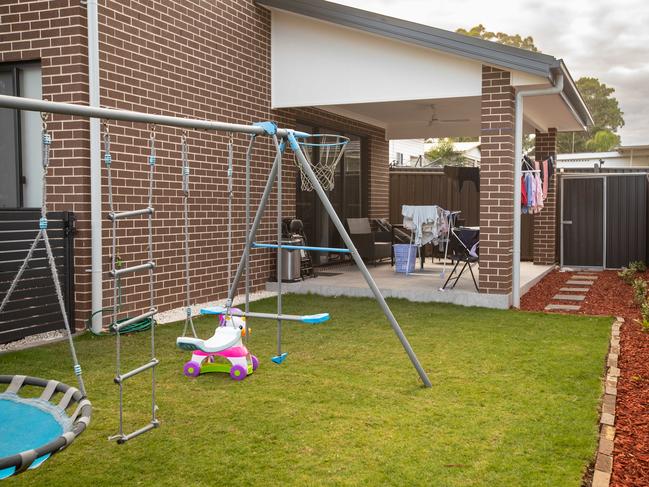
(514, 402)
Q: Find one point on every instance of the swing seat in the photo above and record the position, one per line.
(224, 337)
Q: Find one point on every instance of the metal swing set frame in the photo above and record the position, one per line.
(280, 137)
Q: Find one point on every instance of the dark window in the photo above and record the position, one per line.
(20, 138)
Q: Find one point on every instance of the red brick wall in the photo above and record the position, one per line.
(496, 181)
(194, 59)
(545, 223)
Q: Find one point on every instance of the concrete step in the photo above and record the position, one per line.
(562, 307)
(568, 297)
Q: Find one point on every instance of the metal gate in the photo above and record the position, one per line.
(33, 307)
(603, 219)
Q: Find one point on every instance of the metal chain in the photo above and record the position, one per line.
(184, 156)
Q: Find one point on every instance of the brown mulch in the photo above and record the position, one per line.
(609, 296)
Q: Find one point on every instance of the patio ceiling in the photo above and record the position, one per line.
(412, 80)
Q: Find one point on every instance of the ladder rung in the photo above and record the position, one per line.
(135, 268)
(130, 321)
(152, 363)
(127, 214)
(124, 438)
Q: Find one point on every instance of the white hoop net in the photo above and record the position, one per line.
(322, 152)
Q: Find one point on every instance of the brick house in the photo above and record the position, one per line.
(306, 64)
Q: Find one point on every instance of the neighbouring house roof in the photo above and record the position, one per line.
(488, 52)
(620, 157)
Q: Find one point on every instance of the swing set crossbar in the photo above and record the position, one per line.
(338, 250)
(311, 319)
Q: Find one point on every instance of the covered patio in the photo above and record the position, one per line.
(421, 286)
(416, 81)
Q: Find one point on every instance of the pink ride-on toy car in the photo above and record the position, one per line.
(226, 343)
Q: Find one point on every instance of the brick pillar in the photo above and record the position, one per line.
(496, 181)
(545, 223)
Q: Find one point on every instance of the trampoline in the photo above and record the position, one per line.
(33, 429)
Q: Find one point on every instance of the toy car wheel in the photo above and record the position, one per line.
(192, 369)
(255, 362)
(238, 372)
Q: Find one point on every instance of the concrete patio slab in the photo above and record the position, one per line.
(420, 286)
(568, 297)
(562, 307)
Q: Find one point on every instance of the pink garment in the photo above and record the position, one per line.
(545, 179)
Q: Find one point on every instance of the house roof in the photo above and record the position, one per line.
(488, 52)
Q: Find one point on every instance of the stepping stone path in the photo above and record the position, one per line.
(578, 283)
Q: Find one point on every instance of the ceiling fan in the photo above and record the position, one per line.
(434, 120)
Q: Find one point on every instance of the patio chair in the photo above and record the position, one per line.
(371, 246)
(463, 247)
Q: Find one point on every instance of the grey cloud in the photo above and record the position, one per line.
(604, 39)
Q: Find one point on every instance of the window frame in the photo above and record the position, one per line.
(14, 69)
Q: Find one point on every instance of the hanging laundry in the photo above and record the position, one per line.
(538, 187)
(523, 192)
(428, 223)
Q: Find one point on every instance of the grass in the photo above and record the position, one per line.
(514, 402)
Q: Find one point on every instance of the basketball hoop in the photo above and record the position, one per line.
(327, 150)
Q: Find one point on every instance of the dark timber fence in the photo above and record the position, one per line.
(426, 186)
(33, 307)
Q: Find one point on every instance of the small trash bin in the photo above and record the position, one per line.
(291, 260)
(405, 256)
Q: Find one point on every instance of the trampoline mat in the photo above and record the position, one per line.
(28, 423)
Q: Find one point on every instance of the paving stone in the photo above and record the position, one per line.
(575, 289)
(608, 419)
(573, 282)
(612, 360)
(605, 446)
(601, 479)
(562, 307)
(610, 389)
(569, 297)
(604, 463)
(614, 372)
(608, 432)
(608, 409)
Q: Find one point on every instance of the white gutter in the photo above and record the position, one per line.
(95, 165)
(518, 156)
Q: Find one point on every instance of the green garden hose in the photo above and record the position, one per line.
(136, 327)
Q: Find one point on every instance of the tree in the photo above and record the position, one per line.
(444, 154)
(515, 40)
(604, 108)
(607, 118)
(602, 141)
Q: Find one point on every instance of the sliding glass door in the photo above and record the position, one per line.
(349, 197)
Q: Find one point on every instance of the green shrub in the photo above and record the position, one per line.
(644, 310)
(638, 266)
(639, 290)
(627, 274)
(645, 326)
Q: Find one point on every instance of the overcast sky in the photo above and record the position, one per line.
(600, 38)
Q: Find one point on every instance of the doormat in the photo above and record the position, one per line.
(328, 274)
